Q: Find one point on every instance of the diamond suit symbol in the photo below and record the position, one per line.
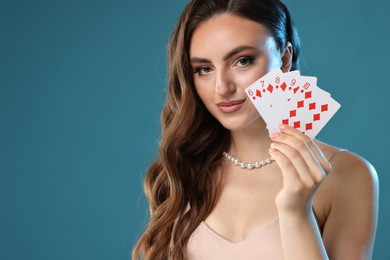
(270, 88)
(293, 113)
(308, 95)
(283, 86)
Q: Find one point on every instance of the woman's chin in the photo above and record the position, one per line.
(239, 125)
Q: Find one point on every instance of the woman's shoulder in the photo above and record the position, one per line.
(345, 163)
(350, 187)
(351, 174)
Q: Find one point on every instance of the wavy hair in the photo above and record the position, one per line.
(182, 186)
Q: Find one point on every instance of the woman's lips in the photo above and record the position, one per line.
(231, 106)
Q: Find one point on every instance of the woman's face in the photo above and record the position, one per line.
(228, 53)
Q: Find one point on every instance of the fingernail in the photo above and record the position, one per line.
(271, 150)
(274, 135)
(283, 127)
(272, 145)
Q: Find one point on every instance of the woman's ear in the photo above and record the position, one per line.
(287, 57)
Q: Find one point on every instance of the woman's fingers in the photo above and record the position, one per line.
(291, 177)
(294, 163)
(300, 142)
(303, 153)
(296, 193)
(303, 166)
(312, 145)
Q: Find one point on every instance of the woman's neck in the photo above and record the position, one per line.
(252, 143)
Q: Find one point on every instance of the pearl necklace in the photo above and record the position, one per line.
(246, 165)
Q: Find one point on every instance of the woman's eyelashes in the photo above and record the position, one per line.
(244, 61)
(202, 70)
(241, 62)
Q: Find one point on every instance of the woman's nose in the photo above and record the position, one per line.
(224, 84)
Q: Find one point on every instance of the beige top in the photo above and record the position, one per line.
(206, 244)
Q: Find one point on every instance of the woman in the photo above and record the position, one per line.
(311, 201)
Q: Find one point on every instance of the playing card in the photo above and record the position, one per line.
(292, 83)
(299, 85)
(309, 112)
(262, 92)
(296, 90)
(289, 85)
(292, 99)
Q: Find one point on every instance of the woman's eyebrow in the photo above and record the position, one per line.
(238, 50)
(199, 60)
(227, 56)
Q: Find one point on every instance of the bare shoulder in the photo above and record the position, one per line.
(348, 204)
(351, 174)
(348, 166)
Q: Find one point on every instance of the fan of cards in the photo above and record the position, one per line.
(291, 99)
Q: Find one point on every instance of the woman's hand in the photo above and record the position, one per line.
(303, 166)
(352, 194)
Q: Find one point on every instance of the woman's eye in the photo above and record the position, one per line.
(203, 70)
(242, 62)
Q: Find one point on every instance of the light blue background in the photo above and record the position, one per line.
(81, 88)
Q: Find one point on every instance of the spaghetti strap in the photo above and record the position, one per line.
(336, 153)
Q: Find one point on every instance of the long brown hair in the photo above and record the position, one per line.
(181, 185)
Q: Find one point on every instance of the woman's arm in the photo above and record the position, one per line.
(349, 230)
(352, 185)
